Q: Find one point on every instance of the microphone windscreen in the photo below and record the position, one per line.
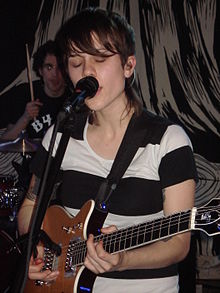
(89, 84)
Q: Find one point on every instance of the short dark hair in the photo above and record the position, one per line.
(51, 48)
(113, 31)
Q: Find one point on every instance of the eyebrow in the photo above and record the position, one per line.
(105, 53)
(73, 55)
(49, 64)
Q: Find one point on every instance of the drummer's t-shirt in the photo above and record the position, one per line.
(15, 103)
(12, 107)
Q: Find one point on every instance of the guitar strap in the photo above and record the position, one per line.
(132, 139)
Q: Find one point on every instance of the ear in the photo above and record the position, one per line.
(129, 66)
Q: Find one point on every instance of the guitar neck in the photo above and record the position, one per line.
(141, 234)
(146, 233)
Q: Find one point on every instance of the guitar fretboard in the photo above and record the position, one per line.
(133, 236)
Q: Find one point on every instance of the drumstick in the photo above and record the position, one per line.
(29, 73)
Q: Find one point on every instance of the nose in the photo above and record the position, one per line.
(89, 68)
(55, 71)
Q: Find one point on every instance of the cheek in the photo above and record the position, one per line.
(115, 77)
(47, 75)
(73, 75)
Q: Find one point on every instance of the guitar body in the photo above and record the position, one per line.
(62, 229)
(71, 235)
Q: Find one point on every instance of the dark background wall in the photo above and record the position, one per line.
(177, 63)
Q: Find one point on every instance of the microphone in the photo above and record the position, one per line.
(85, 87)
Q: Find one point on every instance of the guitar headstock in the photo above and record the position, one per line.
(207, 218)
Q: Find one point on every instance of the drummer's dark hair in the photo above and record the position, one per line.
(50, 47)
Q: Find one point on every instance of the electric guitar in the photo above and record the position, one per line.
(71, 234)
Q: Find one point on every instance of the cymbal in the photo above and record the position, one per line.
(23, 145)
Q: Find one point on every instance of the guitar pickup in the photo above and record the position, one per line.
(52, 246)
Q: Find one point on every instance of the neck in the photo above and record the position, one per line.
(110, 132)
(113, 123)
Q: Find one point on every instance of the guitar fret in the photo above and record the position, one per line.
(141, 234)
(121, 242)
(152, 230)
(122, 245)
(165, 227)
(82, 252)
(111, 247)
(133, 240)
(184, 224)
(160, 228)
(107, 247)
(137, 234)
(169, 225)
(156, 231)
(174, 227)
(118, 241)
(77, 253)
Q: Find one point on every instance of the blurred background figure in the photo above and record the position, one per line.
(24, 121)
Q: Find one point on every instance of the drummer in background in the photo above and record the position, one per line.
(34, 117)
(49, 93)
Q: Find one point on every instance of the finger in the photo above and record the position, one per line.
(36, 267)
(98, 260)
(108, 230)
(38, 103)
(93, 266)
(38, 261)
(91, 260)
(45, 276)
(107, 261)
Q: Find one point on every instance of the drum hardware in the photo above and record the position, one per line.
(6, 182)
(20, 145)
(10, 201)
(11, 197)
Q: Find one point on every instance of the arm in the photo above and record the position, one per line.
(24, 221)
(14, 130)
(26, 210)
(157, 255)
(27, 207)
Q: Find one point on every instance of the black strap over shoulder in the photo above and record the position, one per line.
(132, 139)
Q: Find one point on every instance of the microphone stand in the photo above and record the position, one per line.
(51, 170)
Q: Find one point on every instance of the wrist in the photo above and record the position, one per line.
(123, 259)
(26, 118)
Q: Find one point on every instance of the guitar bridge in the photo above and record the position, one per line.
(50, 260)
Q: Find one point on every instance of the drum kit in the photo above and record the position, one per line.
(11, 195)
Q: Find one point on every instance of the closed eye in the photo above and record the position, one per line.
(100, 60)
(75, 64)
